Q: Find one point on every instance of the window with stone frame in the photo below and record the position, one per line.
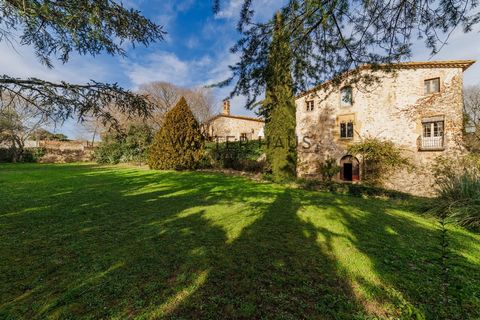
(243, 136)
(432, 85)
(310, 105)
(346, 130)
(346, 96)
(432, 133)
(433, 129)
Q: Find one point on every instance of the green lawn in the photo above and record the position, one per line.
(85, 241)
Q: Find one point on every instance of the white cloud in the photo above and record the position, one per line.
(160, 66)
(207, 70)
(166, 66)
(20, 61)
(170, 9)
(264, 9)
(230, 10)
(192, 42)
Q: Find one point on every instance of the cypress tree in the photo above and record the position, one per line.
(279, 106)
(178, 145)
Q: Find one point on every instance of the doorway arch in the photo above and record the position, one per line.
(349, 168)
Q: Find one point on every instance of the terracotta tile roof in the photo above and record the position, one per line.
(464, 64)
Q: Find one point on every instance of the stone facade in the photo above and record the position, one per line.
(226, 126)
(396, 108)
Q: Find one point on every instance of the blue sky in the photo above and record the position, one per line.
(194, 53)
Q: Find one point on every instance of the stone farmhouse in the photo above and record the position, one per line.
(225, 126)
(419, 107)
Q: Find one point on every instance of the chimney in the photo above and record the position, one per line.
(226, 107)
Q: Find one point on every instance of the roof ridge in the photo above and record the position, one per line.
(464, 64)
(235, 117)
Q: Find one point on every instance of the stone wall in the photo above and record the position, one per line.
(223, 126)
(63, 151)
(391, 109)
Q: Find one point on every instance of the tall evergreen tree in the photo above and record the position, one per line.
(278, 108)
(179, 143)
(332, 37)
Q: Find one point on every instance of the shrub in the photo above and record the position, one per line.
(379, 158)
(239, 155)
(356, 190)
(329, 169)
(129, 146)
(6, 155)
(179, 144)
(28, 155)
(458, 188)
(109, 152)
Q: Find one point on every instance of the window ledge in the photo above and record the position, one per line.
(431, 149)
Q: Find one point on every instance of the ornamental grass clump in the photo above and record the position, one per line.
(458, 189)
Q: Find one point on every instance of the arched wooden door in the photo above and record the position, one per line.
(349, 168)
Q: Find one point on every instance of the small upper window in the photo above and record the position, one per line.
(310, 105)
(346, 130)
(346, 96)
(432, 85)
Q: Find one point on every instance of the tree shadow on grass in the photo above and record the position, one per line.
(146, 244)
(112, 243)
(403, 252)
(275, 269)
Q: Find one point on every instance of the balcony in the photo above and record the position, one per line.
(431, 143)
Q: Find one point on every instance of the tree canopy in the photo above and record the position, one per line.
(329, 37)
(56, 29)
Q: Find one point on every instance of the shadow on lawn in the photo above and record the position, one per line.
(404, 254)
(274, 269)
(126, 244)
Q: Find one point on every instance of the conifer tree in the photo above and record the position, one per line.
(332, 37)
(57, 29)
(179, 143)
(278, 107)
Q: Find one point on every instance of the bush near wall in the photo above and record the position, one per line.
(6, 155)
(129, 146)
(379, 159)
(28, 155)
(356, 190)
(239, 155)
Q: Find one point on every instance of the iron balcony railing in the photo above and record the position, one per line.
(431, 143)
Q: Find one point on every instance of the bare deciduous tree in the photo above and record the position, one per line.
(165, 95)
(18, 122)
(202, 103)
(471, 107)
(91, 129)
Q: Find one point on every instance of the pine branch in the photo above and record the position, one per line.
(63, 100)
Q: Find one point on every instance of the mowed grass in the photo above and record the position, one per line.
(85, 241)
